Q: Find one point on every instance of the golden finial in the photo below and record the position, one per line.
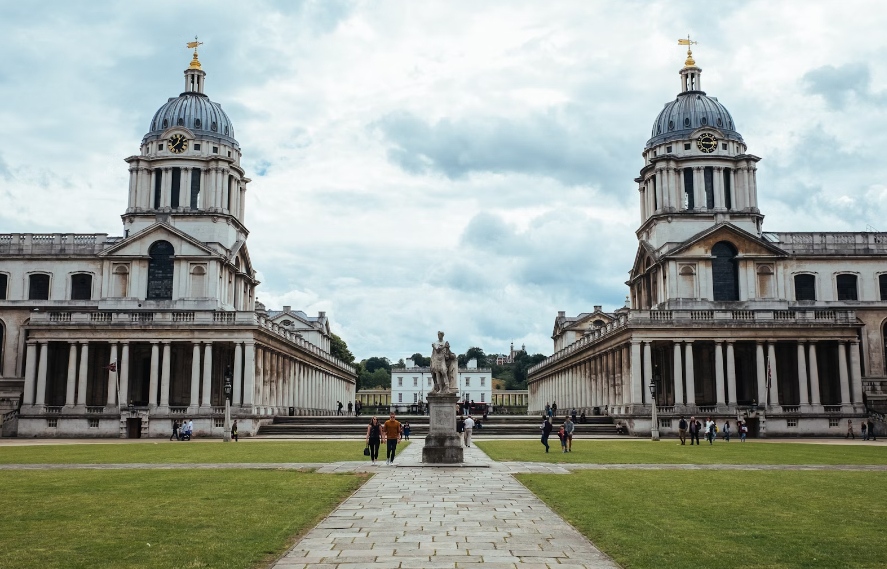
(195, 64)
(688, 43)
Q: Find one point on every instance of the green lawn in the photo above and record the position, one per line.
(196, 518)
(185, 452)
(783, 519)
(671, 452)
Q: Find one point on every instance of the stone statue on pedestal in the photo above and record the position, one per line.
(444, 367)
(443, 445)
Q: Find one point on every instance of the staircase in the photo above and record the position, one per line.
(495, 427)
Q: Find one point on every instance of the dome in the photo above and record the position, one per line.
(197, 113)
(691, 110)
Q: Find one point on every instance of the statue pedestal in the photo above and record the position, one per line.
(443, 445)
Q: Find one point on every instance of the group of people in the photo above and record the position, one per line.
(867, 428)
(709, 430)
(183, 431)
(389, 432)
(565, 433)
(465, 427)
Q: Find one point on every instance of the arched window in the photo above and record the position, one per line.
(882, 285)
(598, 323)
(846, 287)
(121, 280)
(4, 281)
(805, 287)
(38, 287)
(160, 271)
(725, 272)
(687, 282)
(81, 287)
(766, 281)
(198, 281)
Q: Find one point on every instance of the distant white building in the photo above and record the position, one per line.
(412, 384)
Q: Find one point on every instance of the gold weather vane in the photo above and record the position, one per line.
(195, 64)
(686, 42)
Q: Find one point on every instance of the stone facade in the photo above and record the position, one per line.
(725, 319)
(412, 384)
(119, 336)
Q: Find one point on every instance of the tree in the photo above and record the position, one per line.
(374, 363)
(420, 360)
(473, 353)
(379, 378)
(399, 365)
(339, 349)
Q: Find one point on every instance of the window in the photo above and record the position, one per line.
(846, 287)
(287, 323)
(415, 397)
(180, 122)
(833, 422)
(214, 127)
(400, 382)
(52, 423)
(766, 280)
(483, 381)
(81, 287)
(728, 188)
(198, 282)
(160, 271)
(38, 287)
(686, 146)
(158, 186)
(688, 189)
(791, 422)
(882, 284)
(4, 280)
(668, 149)
(687, 121)
(218, 422)
(467, 382)
(482, 397)
(197, 125)
(429, 381)
(229, 154)
(709, 178)
(725, 272)
(400, 397)
(724, 145)
(195, 185)
(121, 278)
(93, 423)
(805, 287)
(687, 281)
(415, 382)
(197, 144)
(215, 149)
(165, 123)
(176, 186)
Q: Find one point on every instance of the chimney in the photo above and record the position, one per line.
(597, 307)
(561, 314)
(321, 314)
(287, 308)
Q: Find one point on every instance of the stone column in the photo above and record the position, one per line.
(249, 373)
(164, 375)
(636, 372)
(41, 373)
(802, 375)
(112, 377)
(154, 374)
(762, 374)
(678, 373)
(626, 375)
(267, 372)
(648, 371)
(205, 402)
(260, 379)
(774, 379)
(814, 375)
(842, 373)
(71, 385)
(690, 377)
(238, 373)
(699, 188)
(611, 382)
(731, 374)
(617, 358)
(719, 373)
(30, 374)
(166, 187)
(718, 186)
(82, 376)
(123, 371)
(272, 384)
(855, 373)
(194, 403)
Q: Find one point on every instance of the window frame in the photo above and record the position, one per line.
(48, 287)
(838, 290)
(71, 277)
(4, 291)
(815, 286)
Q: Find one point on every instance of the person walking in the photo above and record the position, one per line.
(711, 430)
(546, 430)
(872, 430)
(727, 431)
(391, 433)
(357, 407)
(406, 430)
(190, 429)
(743, 431)
(547, 410)
(682, 430)
(234, 430)
(469, 428)
(175, 430)
(374, 438)
(863, 429)
(554, 409)
(562, 435)
(339, 407)
(460, 427)
(349, 408)
(569, 427)
(694, 431)
(573, 414)
(850, 433)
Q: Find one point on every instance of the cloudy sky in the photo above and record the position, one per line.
(462, 166)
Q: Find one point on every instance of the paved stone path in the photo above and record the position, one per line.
(413, 517)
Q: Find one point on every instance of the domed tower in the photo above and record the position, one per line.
(696, 170)
(188, 171)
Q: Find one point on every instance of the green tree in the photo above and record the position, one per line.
(473, 353)
(420, 360)
(379, 378)
(339, 349)
(399, 365)
(374, 363)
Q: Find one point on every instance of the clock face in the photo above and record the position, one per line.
(177, 144)
(707, 143)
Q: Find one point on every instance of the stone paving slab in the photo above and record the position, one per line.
(472, 515)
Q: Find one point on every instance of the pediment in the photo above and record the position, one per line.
(746, 243)
(139, 244)
(644, 253)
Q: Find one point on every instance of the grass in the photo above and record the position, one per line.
(197, 518)
(187, 453)
(671, 452)
(778, 519)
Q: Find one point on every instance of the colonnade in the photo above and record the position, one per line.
(219, 189)
(667, 192)
(621, 376)
(283, 381)
(511, 399)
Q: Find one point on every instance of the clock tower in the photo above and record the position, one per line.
(697, 172)
(188, 173)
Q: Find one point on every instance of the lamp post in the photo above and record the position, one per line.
(654, 431)
(228, 387)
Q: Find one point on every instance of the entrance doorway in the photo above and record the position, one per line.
(754, 427)
(133, 428)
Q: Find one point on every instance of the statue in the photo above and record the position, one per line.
(444, 367)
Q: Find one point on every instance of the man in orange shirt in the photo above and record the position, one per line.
(391, 432)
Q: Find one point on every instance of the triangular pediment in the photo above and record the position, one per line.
(645, 253)
(138, 244)
(748, 244)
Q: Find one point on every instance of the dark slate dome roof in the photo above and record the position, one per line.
(197, 113)
(691, 110)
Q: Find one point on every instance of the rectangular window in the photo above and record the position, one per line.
(846, 287)
(197, 146)
(791, 422)
(38, 287)
(724, 146)
(709, 176)
(415, 397)
(400, 382)
(215, 149)
(728, 188)
(882, 284)
(655, 199)
(400, 397)
(664, 423)
(176, 186)
(93, 423)
(688, 189)
(833, 422)
(229, 154)
(415, 382)
(195, 187)
(467, 382)
(81, 287)
(429, 381)
(52, 423)
(668, 149)
(805, 287)
(3, 282)
(482, 397)
(686, 146)
(158, 185)
(218, 422)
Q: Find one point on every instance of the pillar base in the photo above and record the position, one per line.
(443, 445)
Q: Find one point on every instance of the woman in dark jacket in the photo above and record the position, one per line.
(546, 430)
(374, 439)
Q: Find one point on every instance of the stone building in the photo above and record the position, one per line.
(119, 336)
(725, 319)
(411, 384)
